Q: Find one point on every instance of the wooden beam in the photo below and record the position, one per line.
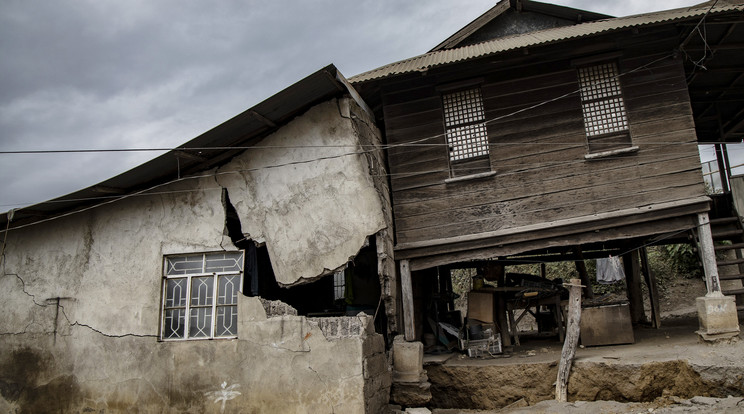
(573, 330)
(661, 227)
(406, 288)
(109, 190)
(495, 272)
(728, 46)
(708, 253)
(633, 282)
(189, 156)
(653, 291)
(583, 274)
(621, 217)
(262, 118)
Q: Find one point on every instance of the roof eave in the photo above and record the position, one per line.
(208, 150)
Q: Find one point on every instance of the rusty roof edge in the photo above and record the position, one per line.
(449, 56)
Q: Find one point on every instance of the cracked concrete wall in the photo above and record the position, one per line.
(369, 135)
(316, 215)
(82, 294)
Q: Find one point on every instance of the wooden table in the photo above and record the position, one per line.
(506, 305)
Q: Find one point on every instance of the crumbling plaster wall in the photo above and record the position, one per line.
(306, 190)
(369, 137)
(82, 294)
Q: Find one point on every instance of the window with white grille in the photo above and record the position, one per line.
(200, 295)
(605, 119)
(339, 285)
(464, 121)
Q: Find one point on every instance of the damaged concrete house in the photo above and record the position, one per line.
(267, 265)
(261, 235)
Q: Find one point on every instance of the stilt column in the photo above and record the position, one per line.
(716, 313)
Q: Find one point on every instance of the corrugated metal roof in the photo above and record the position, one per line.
(449, 56)
(208, 150)
(501, 7)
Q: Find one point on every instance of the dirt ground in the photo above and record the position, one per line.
(663, 406)
(667, 370)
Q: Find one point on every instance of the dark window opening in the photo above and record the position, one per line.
(346, 292)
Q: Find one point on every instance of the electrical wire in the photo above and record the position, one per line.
(647, 155)
(388, 146)
(372, 149)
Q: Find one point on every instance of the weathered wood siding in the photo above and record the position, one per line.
(538, 154)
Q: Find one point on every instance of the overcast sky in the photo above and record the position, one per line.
(99, 74)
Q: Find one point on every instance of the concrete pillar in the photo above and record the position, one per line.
(408, 360)
(411, 386)
(716, 313)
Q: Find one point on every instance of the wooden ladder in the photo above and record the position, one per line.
(729, 229)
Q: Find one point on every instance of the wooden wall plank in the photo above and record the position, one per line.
(533, 181)
(552, 207)
(538, 154)
(514, 189)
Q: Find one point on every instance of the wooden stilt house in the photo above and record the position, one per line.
(545, 132)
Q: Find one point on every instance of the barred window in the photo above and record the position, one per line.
(605, 118)
(200, 295)
(464, 121)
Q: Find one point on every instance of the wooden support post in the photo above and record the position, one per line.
(633, 281)
(496, 272)
(406, 288)
(708, 254)
(653, 291)
(449, 290)
(723, 170)
(583, 274)
(572, 339)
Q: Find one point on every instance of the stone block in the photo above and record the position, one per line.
(411, 395)
(373, 344)
(717, 315)
(375, 365)
(418, 410)
(408, 360)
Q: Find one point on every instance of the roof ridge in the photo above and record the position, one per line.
(583, 29)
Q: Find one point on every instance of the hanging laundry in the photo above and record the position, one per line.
(609, 270)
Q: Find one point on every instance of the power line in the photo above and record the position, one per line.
(648, 154)
(260, 147)
(372, 148)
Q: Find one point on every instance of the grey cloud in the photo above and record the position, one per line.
(108, 74)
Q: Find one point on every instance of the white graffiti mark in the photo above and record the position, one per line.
(224, 394)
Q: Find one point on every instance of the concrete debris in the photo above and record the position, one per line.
(420, 410)
(704, 400)
(277, 308)
(411, 394)
(344, 326)
(395, 409)
(517, 404)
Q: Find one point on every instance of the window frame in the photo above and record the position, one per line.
(620, 114)
(188, 306)
(451, 125)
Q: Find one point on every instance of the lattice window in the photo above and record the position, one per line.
(339, 285)
(200, 295)
(464, 121)
(605, 118)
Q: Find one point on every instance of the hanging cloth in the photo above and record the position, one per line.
(609, 270)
